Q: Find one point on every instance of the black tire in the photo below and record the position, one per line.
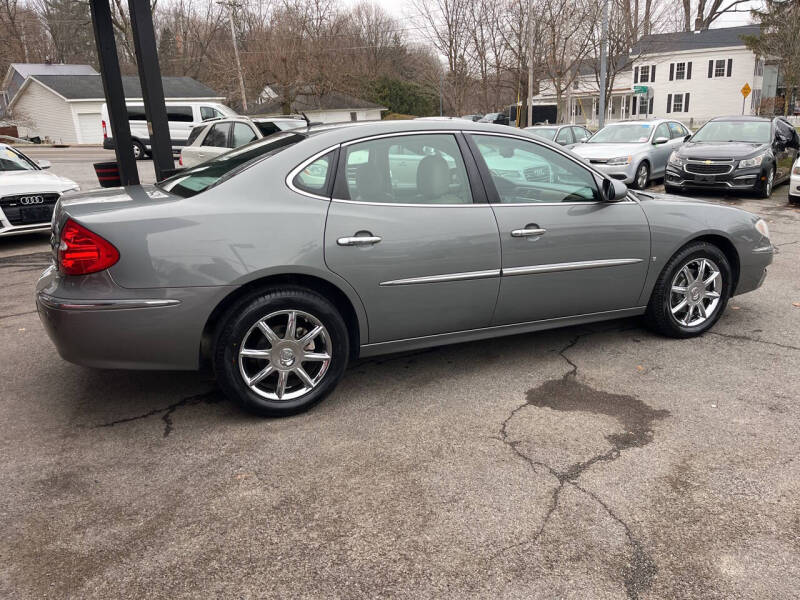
(794, 199)
(236, 327)
(671, 189)
(768, 185)
(139, 151)
(642, 174)
(659, 315)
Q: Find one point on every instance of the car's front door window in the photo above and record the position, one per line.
(524, 172)
(218, 136)
(409, 169)
(564, 136)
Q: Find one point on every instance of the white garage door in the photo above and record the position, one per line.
(91, 131)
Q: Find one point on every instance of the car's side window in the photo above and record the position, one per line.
(581, 134)
(676, 130)
(408, 169)
(314, 176)
(217, 136)
(526, 172)
(242, 134)
(206, 112)
(662, 131)
(564, 136)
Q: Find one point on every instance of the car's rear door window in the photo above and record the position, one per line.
(180, 114)
(525, 172)
(217, 136)
(242, 134)
(407, 169)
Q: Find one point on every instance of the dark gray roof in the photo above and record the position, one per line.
(90, 87)
(28, 69)
(694, 40)
(306, 102)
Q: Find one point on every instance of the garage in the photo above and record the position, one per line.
(90, 131)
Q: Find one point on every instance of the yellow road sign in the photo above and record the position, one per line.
(746, 90)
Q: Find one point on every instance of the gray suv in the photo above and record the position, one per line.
(634, 151)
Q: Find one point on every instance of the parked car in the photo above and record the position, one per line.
(496, 118)
(28, 193)
(735, 153)
(634, 151)
(279, 262)
(472, 117)
(794, 183)
(563, 135)
(218, 136)
(182, 118)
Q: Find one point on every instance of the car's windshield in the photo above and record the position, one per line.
(547, 133)
(205, 175)
(490, 117)
(755, 132)
(627, 133)
(11, 160)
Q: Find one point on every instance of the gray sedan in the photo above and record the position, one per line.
(279, 262)
(634, 151)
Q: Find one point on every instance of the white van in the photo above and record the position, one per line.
(182, 117)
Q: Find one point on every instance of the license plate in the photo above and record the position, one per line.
(704, 178)
(36, 214)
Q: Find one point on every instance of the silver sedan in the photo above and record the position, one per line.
(279, 262)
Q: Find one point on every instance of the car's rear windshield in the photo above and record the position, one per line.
(628, 133)
(208, 174)
(754, 132)
(547, 133)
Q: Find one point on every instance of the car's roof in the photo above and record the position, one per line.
(742, 118)
(640, 122)
(550, 126)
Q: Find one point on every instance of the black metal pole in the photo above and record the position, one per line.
(144, 42)
(112, 87)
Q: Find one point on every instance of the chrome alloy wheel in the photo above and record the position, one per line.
(695, 292)
(641, 176)
(285, 355)
(769, 183)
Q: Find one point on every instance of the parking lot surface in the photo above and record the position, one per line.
(589, 462)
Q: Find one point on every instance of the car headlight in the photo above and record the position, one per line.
(751, 162)
(762, 228)
(796, 170)
(676, 160)
(619, 160)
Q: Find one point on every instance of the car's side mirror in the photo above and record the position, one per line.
(44, 164)
(614, 190)
(687, 137)
(660, 140)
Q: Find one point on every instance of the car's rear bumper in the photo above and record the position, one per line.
(746, 180)
(95, 323)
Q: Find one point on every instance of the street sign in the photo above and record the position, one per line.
(746, 90)
(640, 89)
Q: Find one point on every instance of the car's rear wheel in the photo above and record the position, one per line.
(642, 176)
(794, 199)
(280, 352)
(691, 292)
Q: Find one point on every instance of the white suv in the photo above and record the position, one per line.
(218, 136)
(794, 183)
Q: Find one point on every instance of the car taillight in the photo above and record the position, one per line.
(105, 132)
(180, 160)
(81, 251)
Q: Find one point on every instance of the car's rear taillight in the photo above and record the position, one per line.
(180, 160)
(105, 132)
(81, 251)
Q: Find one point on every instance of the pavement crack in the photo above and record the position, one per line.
(568, 394)
(737, 336)
(30, 312)
(166, 412)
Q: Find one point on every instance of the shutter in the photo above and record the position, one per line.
(686, 102)
(730, 66)
(635, 74)
(652, 73)
(669, 102)
(688, 70)
(634, 105)
(710, 69)
(671, 70)
(650, 107)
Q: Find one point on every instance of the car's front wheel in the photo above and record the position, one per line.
(768, 184)
(280, 352)
(691, 292)
(642, 176)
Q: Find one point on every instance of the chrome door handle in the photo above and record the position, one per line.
(359, 240)
(527, 232)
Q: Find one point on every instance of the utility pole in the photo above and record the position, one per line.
(231, 7)
(603, 51)
(530, 64)
(441, 92)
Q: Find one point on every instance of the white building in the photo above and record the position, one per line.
(689, 76)
(66, 108)
(331, 107)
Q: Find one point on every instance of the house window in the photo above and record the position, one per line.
(719, 68)
(643, 101)
(680, 71)
(644, 74)
(677, 103)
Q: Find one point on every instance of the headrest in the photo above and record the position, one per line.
(433, 177)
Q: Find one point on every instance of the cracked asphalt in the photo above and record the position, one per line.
(588, 462)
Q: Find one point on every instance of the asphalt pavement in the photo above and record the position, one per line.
(590, 463)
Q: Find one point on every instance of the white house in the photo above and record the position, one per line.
(689, 76)
(330, 107)
(66, 108)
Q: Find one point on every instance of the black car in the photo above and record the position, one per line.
(735, 153)
(496, 118)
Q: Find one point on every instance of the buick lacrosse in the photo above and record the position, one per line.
(279, 262)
